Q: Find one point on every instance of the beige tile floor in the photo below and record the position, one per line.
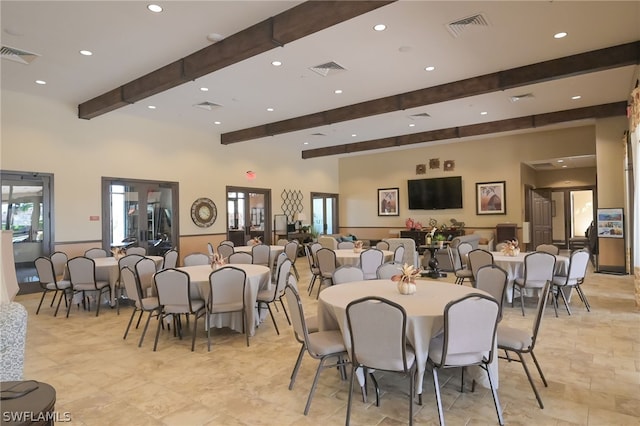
(591, 361)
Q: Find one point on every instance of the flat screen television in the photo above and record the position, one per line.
(435, 193)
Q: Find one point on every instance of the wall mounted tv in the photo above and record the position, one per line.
(435, 193)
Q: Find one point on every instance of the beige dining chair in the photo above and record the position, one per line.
(273, 295)
(539, 268)
(227, 243)
(518, 341)
(468, 339)
(261, 255)
(322, 345)
(382, 245)
(347, 274)
(327, 263)
(94, 253)
(477, 259)
(195, 259)
(170, 259)
(459, 270)
(145, 269)
(291, 249)
(578, 263)
(493, 279)
(240, 257)
(136, 250)
(50, 283)
(130, 261)
(398, 254)
(225, 250)
(388, 270)
(313, 267)
(82, 276)
(372, 320)
(548, 248)
(142, 303)
(227, 295)
(345, 245)
(59, 260)
(370, 260)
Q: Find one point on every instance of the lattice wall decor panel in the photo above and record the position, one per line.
(291, 202)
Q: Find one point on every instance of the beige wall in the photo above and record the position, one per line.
(611, 162)
(585, 176)
(41, 136)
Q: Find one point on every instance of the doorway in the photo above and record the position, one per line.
(324, 211)
(27, 200)
(248, 215)
(140, 213)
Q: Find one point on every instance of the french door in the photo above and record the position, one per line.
(324, 213)
(248, 214)
(140, 213)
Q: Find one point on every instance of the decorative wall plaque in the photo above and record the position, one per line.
(434, 163)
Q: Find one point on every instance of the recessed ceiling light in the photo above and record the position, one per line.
(564, 166)
(41, 82)
(214, 37)
(429, 68)
(380, 27)
(276, 63)
(151, 107)
(560, 35)
(305, 143)
(154, 8)
(204, 89)
(353, 135)
(412, 125)
(560, 161)
(217, 122)
(337, 91)
(270, 109)
(86, 52)
(575, 98)
(484, 113)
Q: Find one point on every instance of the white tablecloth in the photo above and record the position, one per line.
(514, 265)
(258, 278)
(349, 257)
(425, 314)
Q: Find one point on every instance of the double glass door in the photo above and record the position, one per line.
(140, 213)
(248, 213)
(324, 210)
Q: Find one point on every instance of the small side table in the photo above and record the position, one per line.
(434, 269)
(27, 403)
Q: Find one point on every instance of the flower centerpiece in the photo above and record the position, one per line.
(357, 246)
(217, 261)
(510, 248)
(407, 279)
(255, 241)
(118, 252)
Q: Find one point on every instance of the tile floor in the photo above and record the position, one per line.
(591, 361)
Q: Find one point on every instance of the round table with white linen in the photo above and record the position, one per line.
(514, 265)
(352, 258)
(258, 278)
(424, 308)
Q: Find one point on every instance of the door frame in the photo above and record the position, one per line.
(335, 212)
(268, 217)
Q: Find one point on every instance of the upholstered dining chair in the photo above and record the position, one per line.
(477, 259)
(82, 276)
(463, 251)
(49, 282)
(173, 288)
(141, 251)
(398, 254)
(225, 250)
(382, 245)
(548, 248)
(518, 341)
(227, 295)
(59, 260)
(195, 259)
(313, 267)
(327, 263)
(94, 253)
(460, 271)
(240, 257)
(322, 345)
(130, 261)
(145, 269)
(369, 261)
(272, 295)
(347, 274)
(574, 278)
(142, 304)
(468, 339)
(170, 259)
(210, 251)
(261, 255)
(493, 279)
(291, 249)
(346, 245)
(388, 270)
(539, 268)
(372, 320)
(227, 243)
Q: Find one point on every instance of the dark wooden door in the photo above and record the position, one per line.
(541, 227)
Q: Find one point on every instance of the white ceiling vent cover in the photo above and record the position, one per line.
(478, 21)
(17, 55)
(209, 106)
(328, 68)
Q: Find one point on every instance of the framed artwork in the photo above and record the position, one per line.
(388, 202)
(610, 223)
(491, 198)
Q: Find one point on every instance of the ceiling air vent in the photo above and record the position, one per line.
(420, 116)
(318, 134)
(456, 28)
(328, 68)
(209, 106)
(17, 55)
(523, 97)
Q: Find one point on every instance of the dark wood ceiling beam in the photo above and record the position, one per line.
(583, 63)
(290, 25)
(520, 123)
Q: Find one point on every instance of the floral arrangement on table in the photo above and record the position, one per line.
(118, 252)
(357, 246)
(510, 248)
(256, 241)
(217, 261)
(406, 279)
(412, 224)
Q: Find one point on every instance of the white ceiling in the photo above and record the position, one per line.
(128, 42)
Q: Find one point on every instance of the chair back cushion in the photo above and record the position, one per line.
(347, 274)
(370, 260)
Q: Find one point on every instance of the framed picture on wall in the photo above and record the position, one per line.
(388, 202)
(491, 198)
(610, 223)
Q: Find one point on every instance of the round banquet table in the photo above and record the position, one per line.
(274, 251)
(425, 314)
(514, 265)
(258, 278)
(352, 258)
